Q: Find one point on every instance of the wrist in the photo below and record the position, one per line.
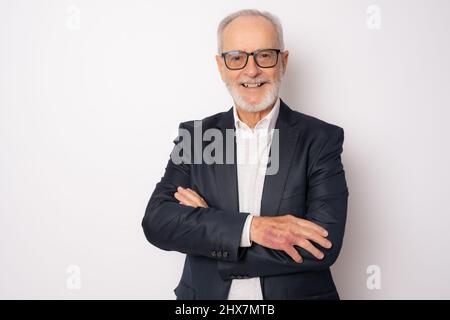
(253, 226)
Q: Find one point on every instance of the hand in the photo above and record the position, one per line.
(189, 197)
(283, 232)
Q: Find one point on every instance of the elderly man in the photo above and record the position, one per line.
(250, 233)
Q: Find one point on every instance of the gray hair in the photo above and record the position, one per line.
(250, 13)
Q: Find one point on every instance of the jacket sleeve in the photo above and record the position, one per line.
(326, 206)
(197, 231)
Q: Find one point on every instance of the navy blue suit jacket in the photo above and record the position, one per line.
(310, 184)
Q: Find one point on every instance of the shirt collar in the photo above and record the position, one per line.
(267, 122)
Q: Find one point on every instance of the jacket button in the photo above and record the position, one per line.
(225, 254)
(213, 253)
(219, 254)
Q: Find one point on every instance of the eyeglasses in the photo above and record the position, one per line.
(264, 58)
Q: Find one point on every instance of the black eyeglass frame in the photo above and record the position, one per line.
(254, 53)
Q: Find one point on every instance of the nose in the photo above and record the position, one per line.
(251, 69)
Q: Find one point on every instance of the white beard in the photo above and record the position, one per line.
(267, 101)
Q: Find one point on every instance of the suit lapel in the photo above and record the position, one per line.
(226, 174)
(274, 184)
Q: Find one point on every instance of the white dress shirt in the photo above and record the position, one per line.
(252, 153)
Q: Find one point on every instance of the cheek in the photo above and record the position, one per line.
(272, 75)
(231, 78)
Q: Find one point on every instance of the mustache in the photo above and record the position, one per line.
(253, 81)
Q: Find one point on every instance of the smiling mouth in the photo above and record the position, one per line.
(253, 85)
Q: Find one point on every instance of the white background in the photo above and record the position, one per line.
(91, 94)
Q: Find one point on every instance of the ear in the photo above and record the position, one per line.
(220, 66)
(284, 59)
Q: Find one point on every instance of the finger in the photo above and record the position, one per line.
(195, 194)
(190, 194)
(307, 245)
(312, 234)
(312, 225)
(185, 200)
(178, 196)
(192, 198)
(293, 253)
(203, 203)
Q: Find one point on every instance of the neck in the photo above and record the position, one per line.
(252, 118)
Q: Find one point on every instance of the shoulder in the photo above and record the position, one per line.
(206, 123)
(316, 129)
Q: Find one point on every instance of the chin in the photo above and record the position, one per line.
(252, 106)
(251, 103)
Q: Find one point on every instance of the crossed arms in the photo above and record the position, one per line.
(179, 219)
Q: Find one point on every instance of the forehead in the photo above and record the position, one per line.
(249, 34)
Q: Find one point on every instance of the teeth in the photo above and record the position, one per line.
(252, 85)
